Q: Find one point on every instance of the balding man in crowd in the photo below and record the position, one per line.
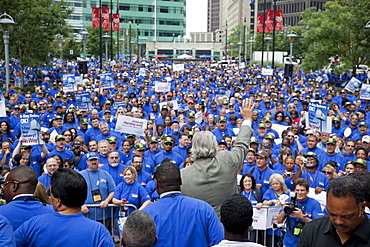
(22, 205)
(214, 172)
(139, 230)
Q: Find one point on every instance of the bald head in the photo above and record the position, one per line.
(21, 180)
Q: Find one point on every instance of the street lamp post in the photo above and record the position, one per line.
(123, 45)
(106, 37)
(84, 34)
(291, 37)
(5, 21)
(226, 41)
(251, 41)
(268, 39)
(137, 41)
(129, 40)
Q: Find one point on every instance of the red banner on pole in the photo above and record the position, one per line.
(105, 18)
(95, 17)
(260, 20)
(116, 26)
(269, 21)
(279, 20)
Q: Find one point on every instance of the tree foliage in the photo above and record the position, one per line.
(38, 23)
(337, 31)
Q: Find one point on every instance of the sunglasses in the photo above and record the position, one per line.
(326, 172)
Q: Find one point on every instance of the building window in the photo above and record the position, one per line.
(163, 10)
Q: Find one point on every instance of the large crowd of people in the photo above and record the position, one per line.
(220, 125)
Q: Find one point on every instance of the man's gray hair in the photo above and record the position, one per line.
(139, 230)
(204, 145)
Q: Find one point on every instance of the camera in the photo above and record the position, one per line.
(292, 205)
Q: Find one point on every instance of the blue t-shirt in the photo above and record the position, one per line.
(102, 181)
(6, 236)
(20, 210)
(173, 213)
(134, 193)
(45, 180)
(311, 209)
(56, 229)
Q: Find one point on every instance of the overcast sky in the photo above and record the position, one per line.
(196, 16)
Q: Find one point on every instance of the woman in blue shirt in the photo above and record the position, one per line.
(275, 196)
(130, 191)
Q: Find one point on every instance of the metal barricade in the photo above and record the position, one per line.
(110, 220)
(267, 236)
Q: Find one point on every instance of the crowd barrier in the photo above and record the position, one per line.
(263, 219)
(115, 219)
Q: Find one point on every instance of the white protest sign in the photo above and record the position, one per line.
(321, 198)
(353, 84)
(162, 86)
(267, 71)
(198, 117)
(2, 109)
(173, 104)
(178, 67)
(279, 129)
(142, 71)
(130, 125)
(259, 218)
(272, 214)
(30, 127)
(365, 92)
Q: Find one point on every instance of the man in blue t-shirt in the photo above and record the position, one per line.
(303, 211)
(68, 193)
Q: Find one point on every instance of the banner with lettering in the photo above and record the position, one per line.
(83, 101)
(30, 127)
(95, 17)
(353, 84)
(105, 18)
(130, 125)
(69, 83)
(318, 119)
(279, 20)
(365, 92)
(116, 26)
(162, 86)
(107, 80)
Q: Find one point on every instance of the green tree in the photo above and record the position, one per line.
(337, 31)
(38, 22)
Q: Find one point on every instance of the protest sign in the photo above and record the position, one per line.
(317, 117)
(30, 127)
(106, 80)
(265, 217)
(142, 71)
(178, 67)
(117, 105)
(69, 83)
(162, 86)
(353, 84)
(2, 109)
(130, 125)
(321, 197)
(173, 104)
(83, 101)
(365, 92)
(267, 71)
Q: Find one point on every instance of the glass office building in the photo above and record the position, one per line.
(152, 20)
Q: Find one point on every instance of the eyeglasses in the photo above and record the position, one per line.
(351, 146)
(168, 144)
(48, 192)
(326, 172)
(50, 107)
(9, 182)
(67, 135)
(114, 158)
(259, 158)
